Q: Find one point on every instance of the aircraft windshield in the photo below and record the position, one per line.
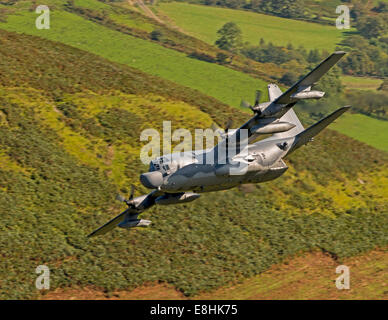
(160, 164)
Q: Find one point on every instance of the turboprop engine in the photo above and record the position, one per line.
(134, 223)
(308, 95)
(274, 127)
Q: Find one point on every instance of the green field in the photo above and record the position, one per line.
(224, 84)
(204, 21)
(361, 83)
(364, 128)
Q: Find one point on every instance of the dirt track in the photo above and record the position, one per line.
(145, 9)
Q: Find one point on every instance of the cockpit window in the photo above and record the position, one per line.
(160, 164)
(154, 166)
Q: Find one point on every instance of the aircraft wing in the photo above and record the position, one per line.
(109, 225)
(146, 202)
(311, 78)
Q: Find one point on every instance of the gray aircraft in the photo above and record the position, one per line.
(182, 177)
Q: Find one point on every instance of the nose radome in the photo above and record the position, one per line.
(151, 180)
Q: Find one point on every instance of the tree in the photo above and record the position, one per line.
(358, 10)
(372, 27)
(222, 58)
(382, 7)
(357, 62)
(156, 35)
(289, 78)
(314, 56)
(230, 38)
(284, 8)
(331, 82)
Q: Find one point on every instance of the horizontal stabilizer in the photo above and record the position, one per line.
(306, 135)
(273, 91)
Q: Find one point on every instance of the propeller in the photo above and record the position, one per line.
(255, 108)
(258, 96)
(221, 131)
(229, 125)
(224, 133)
(128, 201)
(215, 128)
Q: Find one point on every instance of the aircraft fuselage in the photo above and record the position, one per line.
(198, 172)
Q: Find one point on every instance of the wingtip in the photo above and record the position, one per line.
(341, 110)
(93, 233)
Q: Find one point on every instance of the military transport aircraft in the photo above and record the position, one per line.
(180, 178)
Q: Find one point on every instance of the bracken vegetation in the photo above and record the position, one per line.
(69, 127)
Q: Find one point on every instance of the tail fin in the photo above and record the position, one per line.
(273, 91)
(306, 135)
(290, 116)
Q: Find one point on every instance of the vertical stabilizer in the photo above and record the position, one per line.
(290, 116)
(273, 91)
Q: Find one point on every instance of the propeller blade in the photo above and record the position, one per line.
(120, 198)
(214, 127)
(128, 201)
(132, 192)
(245, 104)
(258, 96)
(229, 125)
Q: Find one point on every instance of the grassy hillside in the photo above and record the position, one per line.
(108, 31)
(313, 277)
(310, 276)
(125, 18)
(204, 21)
(226, 85)
(364, 128)
(69, 127)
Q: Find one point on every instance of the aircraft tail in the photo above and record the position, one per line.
(290, 116)
(306, 135)
(273, 92)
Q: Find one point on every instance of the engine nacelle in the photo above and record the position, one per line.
(134, 223)
(151, 180)
(272, 127)
(308, 95)
(177, 198)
